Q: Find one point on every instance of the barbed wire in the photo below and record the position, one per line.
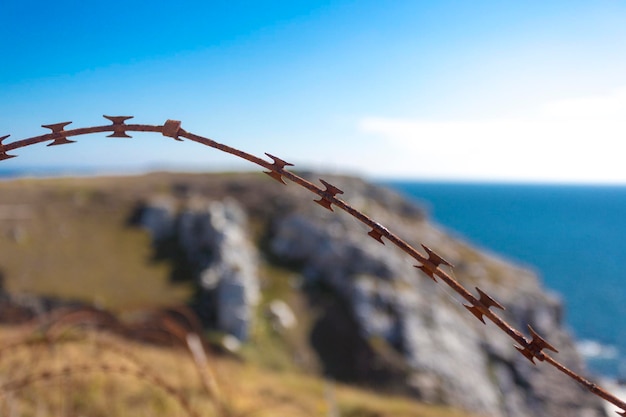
(532, 348)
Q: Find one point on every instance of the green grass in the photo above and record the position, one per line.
(73, 241)
(287, 349)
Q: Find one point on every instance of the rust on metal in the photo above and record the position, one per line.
(431, 265)
(479, 306)
(171, 129)
(534, 349)
(378, 231)
(3, 153)
(58, 131)
(277, 168)
(330, 191)
(119, 127)
(376, 235)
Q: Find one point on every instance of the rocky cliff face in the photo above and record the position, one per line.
(439, 352)
(213, 239)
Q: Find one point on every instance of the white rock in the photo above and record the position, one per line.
(282, 315)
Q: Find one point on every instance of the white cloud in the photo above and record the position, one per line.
(597, 108)
(581, 140)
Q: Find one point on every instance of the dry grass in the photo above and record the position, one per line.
(87, 374)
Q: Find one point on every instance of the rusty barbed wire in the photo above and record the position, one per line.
(531, 347)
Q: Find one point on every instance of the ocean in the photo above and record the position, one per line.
(573, 237)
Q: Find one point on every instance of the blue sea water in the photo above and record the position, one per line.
(574, 237)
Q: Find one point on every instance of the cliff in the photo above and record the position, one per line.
(383, 322)
(297, 283)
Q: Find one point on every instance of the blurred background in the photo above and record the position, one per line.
(416, 89)
(504, 120)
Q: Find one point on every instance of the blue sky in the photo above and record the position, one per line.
(465, 90)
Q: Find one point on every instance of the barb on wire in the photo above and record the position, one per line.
(429, 264)
(484, 303)
(277, 168)
(535, 347)
(3, 152)
(330, 192)
(430, 267)
(376, 234)
(119, 126)
(59, 130)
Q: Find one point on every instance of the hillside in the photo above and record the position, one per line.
(237, 246)
(100, 375)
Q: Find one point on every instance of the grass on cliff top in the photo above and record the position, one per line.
(246, 389)
(70, 238)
